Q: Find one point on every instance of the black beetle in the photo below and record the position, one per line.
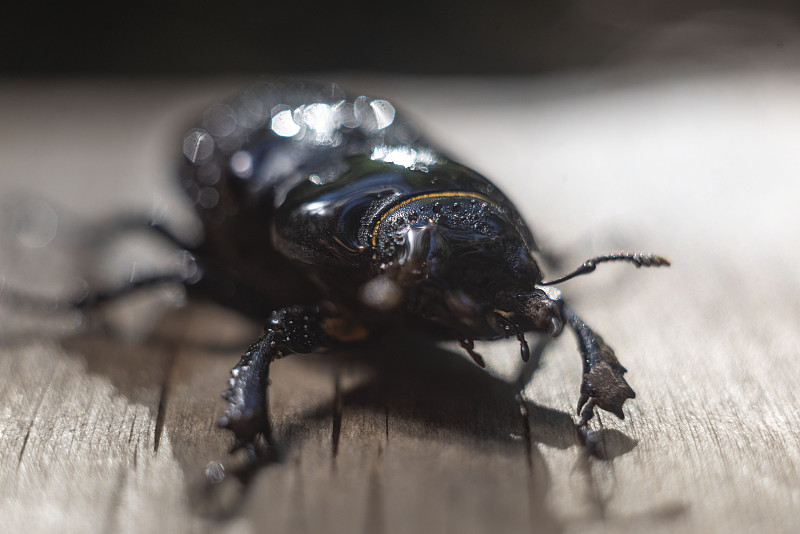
(334, 218)
(307, 196)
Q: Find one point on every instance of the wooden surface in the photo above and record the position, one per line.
(110, 426)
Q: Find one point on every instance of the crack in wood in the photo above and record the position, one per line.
(133, 428)
(526, 433)
(386, 422)
(374, 518)
(162, 400)
(337, 414)
(540, 516)
(45, 389)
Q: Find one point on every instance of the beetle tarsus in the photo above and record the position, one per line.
(290, 330)
(511, 328)
(524, 350)
(603, 385)
(585, 410)
(469, 345)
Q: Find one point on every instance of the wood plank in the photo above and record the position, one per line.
(103, 429)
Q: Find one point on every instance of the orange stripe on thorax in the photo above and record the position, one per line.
(445, 194)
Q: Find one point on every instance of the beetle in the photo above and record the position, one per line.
(333, 218)
(336, 218)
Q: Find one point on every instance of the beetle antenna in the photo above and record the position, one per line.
(640, 259)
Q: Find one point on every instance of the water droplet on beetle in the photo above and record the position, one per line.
(215, 472)
(242, 164)
(384, 113)
(197, 145)
(283, 124)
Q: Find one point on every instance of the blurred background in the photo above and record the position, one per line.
(202, 37)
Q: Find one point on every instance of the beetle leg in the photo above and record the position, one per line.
(112, 228)
(295, 329)
(31, 303)
(468, 344)
(603, 385)
(100, 235)
(200, 278)
(509, 326)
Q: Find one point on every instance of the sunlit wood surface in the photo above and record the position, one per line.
(110, 426)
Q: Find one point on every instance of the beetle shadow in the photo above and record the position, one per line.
(418, 383)
(422, 389)
(417, 387)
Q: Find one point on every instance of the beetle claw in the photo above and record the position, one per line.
(246, 428)
(581, 401)
(555, 328)
(249, 446)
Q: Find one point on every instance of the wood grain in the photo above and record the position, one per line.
(110, 426)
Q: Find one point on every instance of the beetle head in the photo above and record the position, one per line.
(536, 310)
(459, 262)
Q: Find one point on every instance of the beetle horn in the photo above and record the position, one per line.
(640, 259)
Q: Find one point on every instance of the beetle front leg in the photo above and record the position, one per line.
(295, 329)
(603, 385)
